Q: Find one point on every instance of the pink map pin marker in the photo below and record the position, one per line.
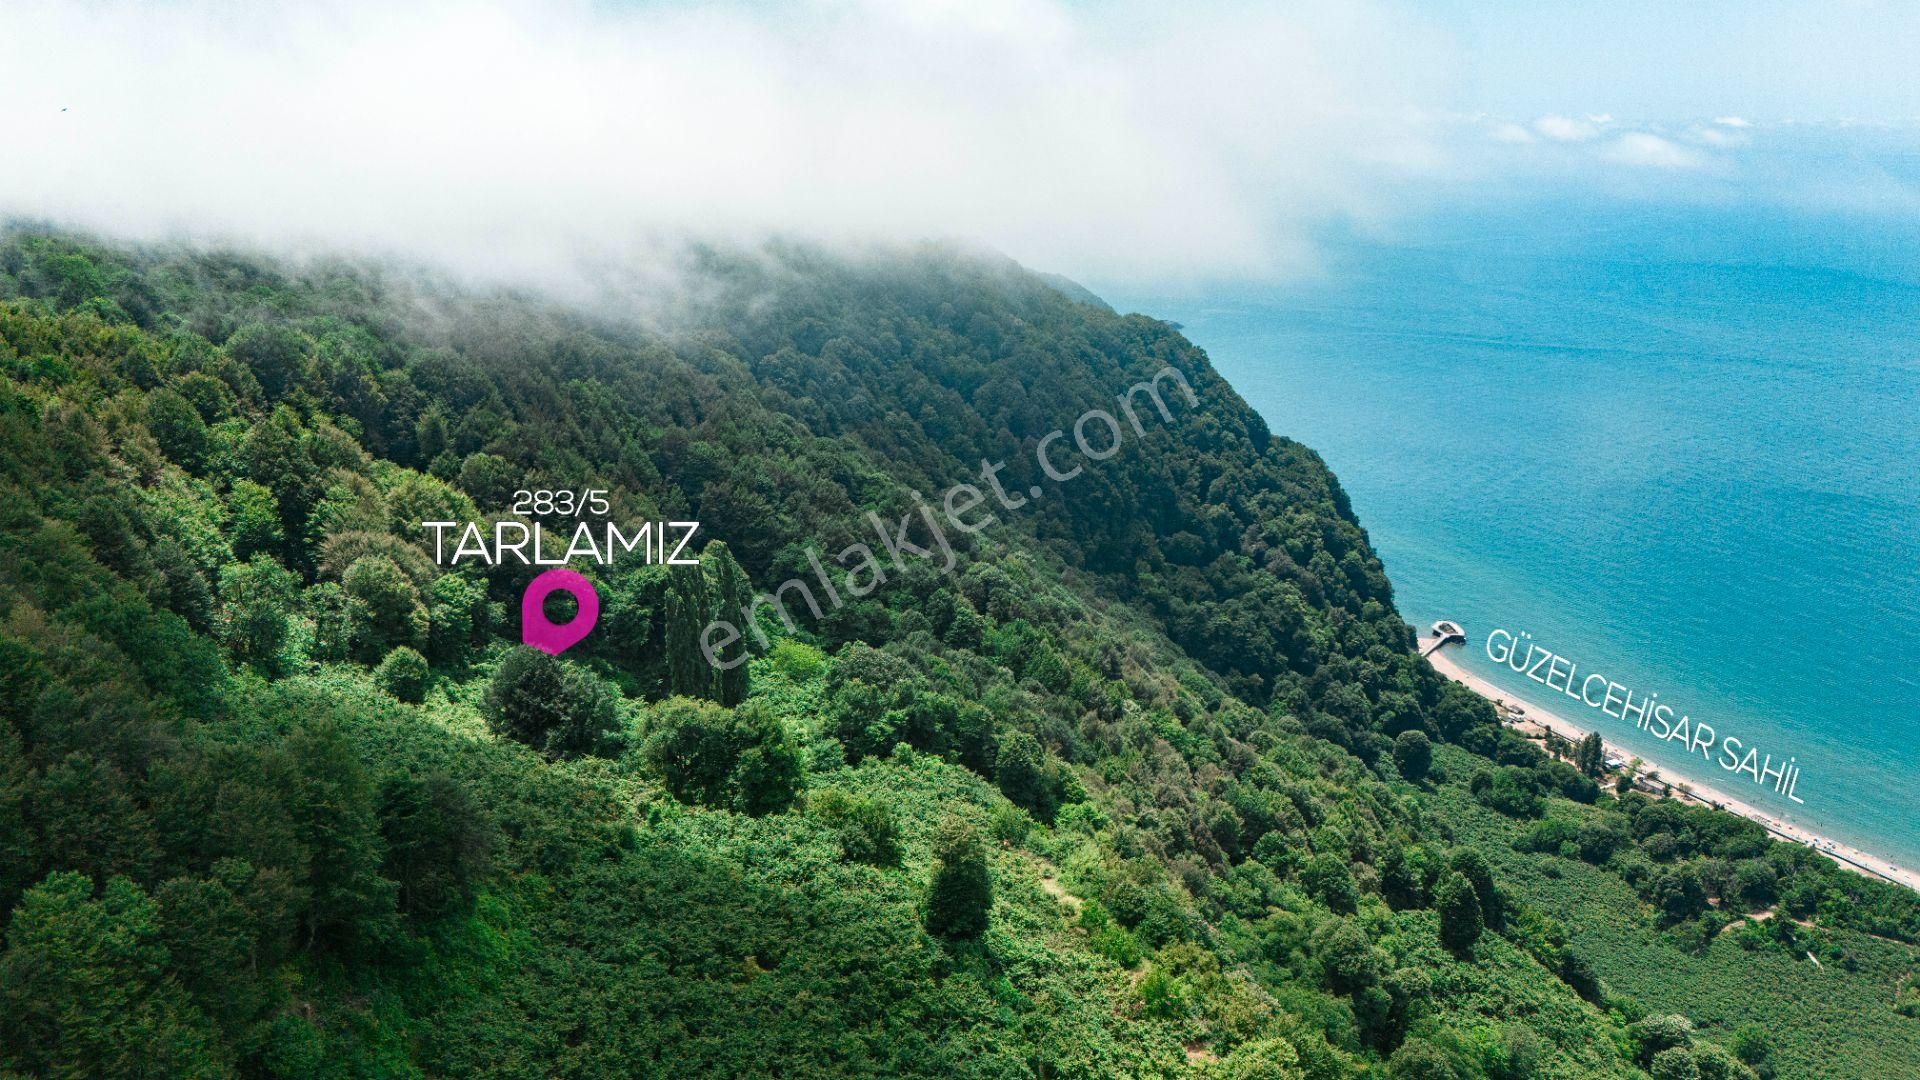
(541, 632)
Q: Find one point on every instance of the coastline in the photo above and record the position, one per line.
(1846, 855)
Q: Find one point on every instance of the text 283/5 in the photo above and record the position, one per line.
(540, 503)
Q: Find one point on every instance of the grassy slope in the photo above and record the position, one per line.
(1823, 1021)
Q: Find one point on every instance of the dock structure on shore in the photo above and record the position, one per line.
(1444, 631)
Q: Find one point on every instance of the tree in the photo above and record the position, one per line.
(457, 616)
(334, 802)
(1675, 1064)
(1756, 884)
(1021, 769)
(1678, 893)
(1413, 755)
(89, 820)
(1418, 1059)
(867, 693)
(1330, 880)
(277, 356)
(691, 745)
(1460, 710)
(961, 892)
(84, 989)
(488, 479)
(549, 704)
(256, 598)
(388, 604)
(1472, 865)
(1655, 1035)
(19, 851)
(254, 525)
(1590, 756)
(1264, 1059)
(689, 606)
(1511, 790)
(186, 589)
(725, 758)
(439, 843)
(768, 775)
(404, 675)
(1600, 835)
(1578, 974)
(1751, 1046)
(212, 940)
(1349, 961)
(731, 594)
(1461, 921)
(966, 630)
(178, 428)
(1403, 876)
(277, 453)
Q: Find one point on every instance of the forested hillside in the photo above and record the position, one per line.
(1147, 781)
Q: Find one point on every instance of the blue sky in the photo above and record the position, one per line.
(1762, 59)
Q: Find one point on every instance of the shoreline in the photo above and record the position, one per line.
(1848, 856)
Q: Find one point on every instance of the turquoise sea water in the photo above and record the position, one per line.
(1687, 460)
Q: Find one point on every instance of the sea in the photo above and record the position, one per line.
(1678, 445)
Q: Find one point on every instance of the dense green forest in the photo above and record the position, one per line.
(1148, 782)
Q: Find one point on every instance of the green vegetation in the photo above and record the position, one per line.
(1151, 783)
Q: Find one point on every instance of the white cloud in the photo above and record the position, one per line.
(1732, 122)
(1651, 151)
(1718, 135)
(1565, 129)
(505, 135)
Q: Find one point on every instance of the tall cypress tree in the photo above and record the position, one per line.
(731, 592)
(688, 608)
(1590, 756)
(1461, 921)
(961, 892)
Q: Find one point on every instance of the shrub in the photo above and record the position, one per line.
(1675, 1064)
(1117, 944)
(1418, 1059)
(1655, 1034)
(796, 660)
(866, 827)
(1165, 996)
(404, 675)
(1009, 826)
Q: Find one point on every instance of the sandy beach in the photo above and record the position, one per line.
(1445, 662)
